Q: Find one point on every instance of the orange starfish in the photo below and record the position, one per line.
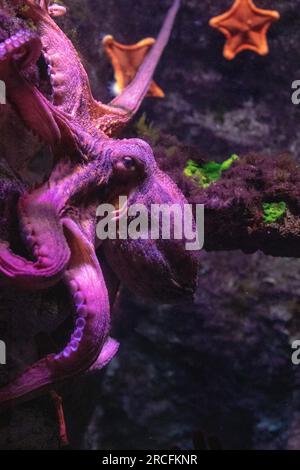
(245, 27)
(126, 61)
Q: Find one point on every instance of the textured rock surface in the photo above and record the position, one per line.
(223, 365)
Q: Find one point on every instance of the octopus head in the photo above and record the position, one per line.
(160, 268)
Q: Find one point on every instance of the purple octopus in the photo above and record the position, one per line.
(91, 166)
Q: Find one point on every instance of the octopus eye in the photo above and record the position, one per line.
(125, 165)
(129, 163)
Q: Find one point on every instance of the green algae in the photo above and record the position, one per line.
(209, 172)
(273, 211)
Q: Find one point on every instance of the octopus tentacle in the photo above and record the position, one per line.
(37, 379)
(40, 219)
(130, 100)
(110, 349)
(86, 283)
(89, 345)
(43, 234)
(16, 53)
(71, 87)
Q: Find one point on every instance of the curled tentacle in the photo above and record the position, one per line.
(43, 234)
(36, 379)
(42, 229)
(17, 53)
(89, 346)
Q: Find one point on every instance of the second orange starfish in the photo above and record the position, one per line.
(126, 61)
(245, 27)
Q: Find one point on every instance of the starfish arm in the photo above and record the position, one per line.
(129, 101)
(44, 237)
(89, 344)
(254, 43)
(272, 15)
(233, 46)
(228, 15)
(235, 26)
(257, 44)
